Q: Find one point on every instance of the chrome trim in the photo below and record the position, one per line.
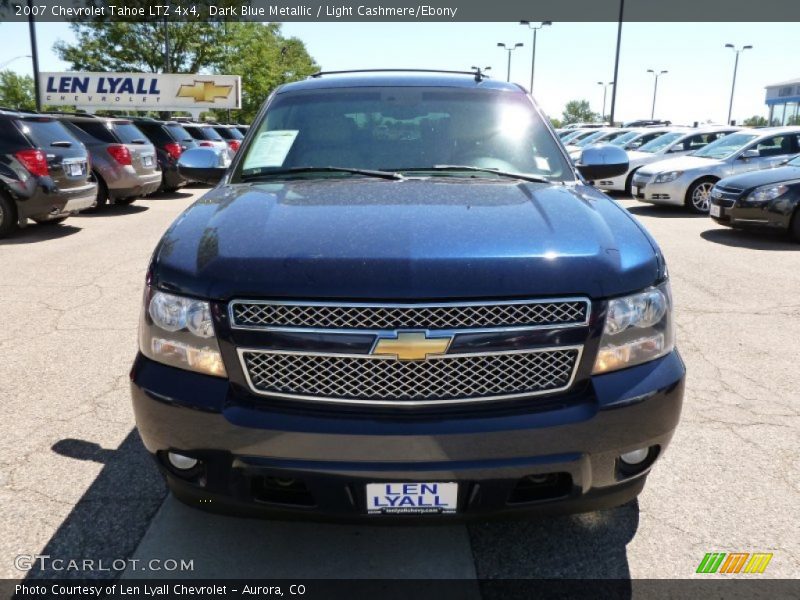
(384, 332)
(412, 403)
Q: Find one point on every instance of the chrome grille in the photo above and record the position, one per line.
(440, 380)
(274, 315)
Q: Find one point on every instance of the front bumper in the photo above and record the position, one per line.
(333, 453)
(673, 192)
(774, 215)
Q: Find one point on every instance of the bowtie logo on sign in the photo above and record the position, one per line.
(204, 91)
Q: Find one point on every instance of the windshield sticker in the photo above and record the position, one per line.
(270, 149)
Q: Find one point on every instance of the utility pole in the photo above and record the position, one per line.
(656, 74)
(34, 57)
(735, 68)
(616, 63)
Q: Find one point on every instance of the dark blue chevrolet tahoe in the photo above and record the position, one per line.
(403, 301)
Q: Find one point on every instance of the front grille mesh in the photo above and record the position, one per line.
(454, 316)
(454, 377)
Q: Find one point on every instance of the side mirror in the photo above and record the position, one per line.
(751, 153)
(207, 165)
(602, 161)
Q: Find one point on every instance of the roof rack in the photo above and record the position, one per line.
(478, 75)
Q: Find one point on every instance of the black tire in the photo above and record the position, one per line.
(125, 201)
(55, 221)
(794, 225)
(698, 196)
(629, 183)
(170, 190)
(8, 215)
(102, 194)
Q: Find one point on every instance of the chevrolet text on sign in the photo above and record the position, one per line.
(142, 91)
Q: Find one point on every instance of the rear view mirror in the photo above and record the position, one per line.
(602, 161)
(207, 165)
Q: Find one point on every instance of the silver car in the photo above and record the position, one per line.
(678, 142)
(687, 181)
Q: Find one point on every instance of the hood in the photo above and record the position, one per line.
(636, 158)
(425, 239)
(682, 163)
(747, 181)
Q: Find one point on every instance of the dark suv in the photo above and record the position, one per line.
(44, 171)
(403, 299)
(170, 140)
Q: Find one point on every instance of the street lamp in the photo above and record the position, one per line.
(605, 89)
(10, 60)
(655, 89)
(533, 54)
(735, 67)
(509, 48)
(480, 73)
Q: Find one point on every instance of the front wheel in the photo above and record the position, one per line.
(698, 198)
(125, 201)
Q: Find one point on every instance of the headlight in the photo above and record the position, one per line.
(668, 176)
(638, 329)
(765, 193)
(179, 332)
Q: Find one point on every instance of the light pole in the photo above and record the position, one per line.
(616, 62)
(535, 28)
(10, 60)
(605, 89)
(735, 67)
(480, 73)
(509, 48)
(655, 89)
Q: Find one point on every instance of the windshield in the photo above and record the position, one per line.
(590, 138)
(397, 128)
(661, 142)
(623, 139)
(725, 146)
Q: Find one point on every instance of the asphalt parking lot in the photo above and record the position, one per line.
(75, 481)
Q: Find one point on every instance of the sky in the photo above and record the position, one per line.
(570, 59)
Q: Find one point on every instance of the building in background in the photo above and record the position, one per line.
(783, 100)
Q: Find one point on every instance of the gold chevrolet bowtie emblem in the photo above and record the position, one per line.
(411, 345)
(204, 91)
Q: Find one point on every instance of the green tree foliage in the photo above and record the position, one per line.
(755, 121)
(579, 111)
(16, 91)
(258, 52)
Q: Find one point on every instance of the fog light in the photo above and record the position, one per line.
(635, 456)
(181, 462)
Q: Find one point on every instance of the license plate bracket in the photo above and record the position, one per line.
(414, 498)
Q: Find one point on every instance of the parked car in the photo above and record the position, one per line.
(243, 128)
(44, 171)
(575, 145)
(122, 158)
(405, 303)
(647, 123)
(232, 136)
(170, 140)
(668, 145)
(767, 200)
(579, 135)
(688, 180)
(206, 136)
(605, 136)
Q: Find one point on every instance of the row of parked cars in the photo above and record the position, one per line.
(53, 165)
(743, 177)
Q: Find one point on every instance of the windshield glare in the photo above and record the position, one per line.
(661, 142)
(725, 146)
(624, 138)
(591, 138)
(396, 128)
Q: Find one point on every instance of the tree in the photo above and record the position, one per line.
(755, 121)
(258, 52)
(16, 91)
(556, 123)
(265, 59)
(578, 111)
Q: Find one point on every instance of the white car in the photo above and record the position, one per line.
(667, 145)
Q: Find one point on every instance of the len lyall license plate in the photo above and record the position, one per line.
(412, 498)
(715, 210)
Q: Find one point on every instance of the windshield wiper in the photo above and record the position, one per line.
(448, 168)
(277, 173)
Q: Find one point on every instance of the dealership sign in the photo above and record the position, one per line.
(141, 91)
